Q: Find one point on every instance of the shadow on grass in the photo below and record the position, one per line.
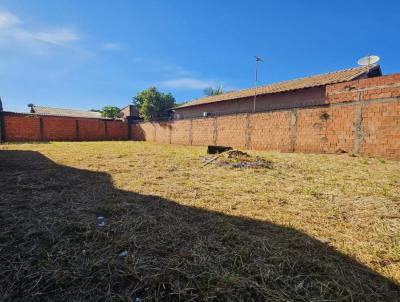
(51, 248)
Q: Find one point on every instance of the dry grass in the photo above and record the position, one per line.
(312, 228)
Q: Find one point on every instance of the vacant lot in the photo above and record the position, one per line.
(309, 228)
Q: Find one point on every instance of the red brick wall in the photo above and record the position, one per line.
(138, 133)
(360, 116)
(117, 130)
(59, 129)
(91, 130)
(180, 132)
(21, 128)
(162, 132)
(202, 131)
(231, 131)
(363, 90)
(381, 130)
(26, 127)
(325, 130)
(270, 131)
(148, 131)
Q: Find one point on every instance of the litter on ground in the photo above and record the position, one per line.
(123, 254)
(237, 159)
(101, 221)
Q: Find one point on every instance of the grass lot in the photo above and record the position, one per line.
(311, 228)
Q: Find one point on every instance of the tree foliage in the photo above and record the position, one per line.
(110, 111)
(153, 104)
(211, 91)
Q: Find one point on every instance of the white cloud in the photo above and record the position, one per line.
(57, 36)
(12, 30)
(8, 20)
(112, 46)
(188, 83)
(177, 76)
(168, 69)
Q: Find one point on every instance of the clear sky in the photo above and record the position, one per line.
(88, 54)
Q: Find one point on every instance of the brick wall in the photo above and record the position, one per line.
(325, 130)
(162, 132)
(180, 132)
(20, 127)
(58, 129)
(231, 131)
(270, 131)
(381, 130)
(92, 130)
(360, 116)
(117, 130)
(203, 132)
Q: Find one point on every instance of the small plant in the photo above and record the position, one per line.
(211, 91)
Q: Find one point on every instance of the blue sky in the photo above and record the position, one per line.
(88, 54)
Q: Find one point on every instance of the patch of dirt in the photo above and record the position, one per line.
(238, 159)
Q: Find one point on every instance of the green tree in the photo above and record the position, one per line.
(153, 104)
(110, 111)
(211, 91)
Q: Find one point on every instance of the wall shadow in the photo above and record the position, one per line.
(137, 132)
(52, 249)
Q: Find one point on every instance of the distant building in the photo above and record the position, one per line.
(40, 110)
(302, 92)
(130, 112)
(127, 113)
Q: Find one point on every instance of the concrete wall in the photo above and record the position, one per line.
(298, 98)
(359, 116)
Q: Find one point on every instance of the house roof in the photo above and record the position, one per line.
(65, 112)
(301, 83)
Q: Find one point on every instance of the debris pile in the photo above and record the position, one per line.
(238, 159)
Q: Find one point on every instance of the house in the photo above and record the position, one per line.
(40, 110)
(127, 113)
(302, 92)
(130, 113)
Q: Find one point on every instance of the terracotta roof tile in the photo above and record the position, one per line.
(307, 82)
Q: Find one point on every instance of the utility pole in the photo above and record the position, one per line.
(258, 60)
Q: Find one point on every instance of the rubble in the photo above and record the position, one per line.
(238, 159)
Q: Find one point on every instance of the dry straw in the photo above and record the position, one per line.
(306, 228)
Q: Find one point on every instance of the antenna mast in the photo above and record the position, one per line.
(258, 60)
